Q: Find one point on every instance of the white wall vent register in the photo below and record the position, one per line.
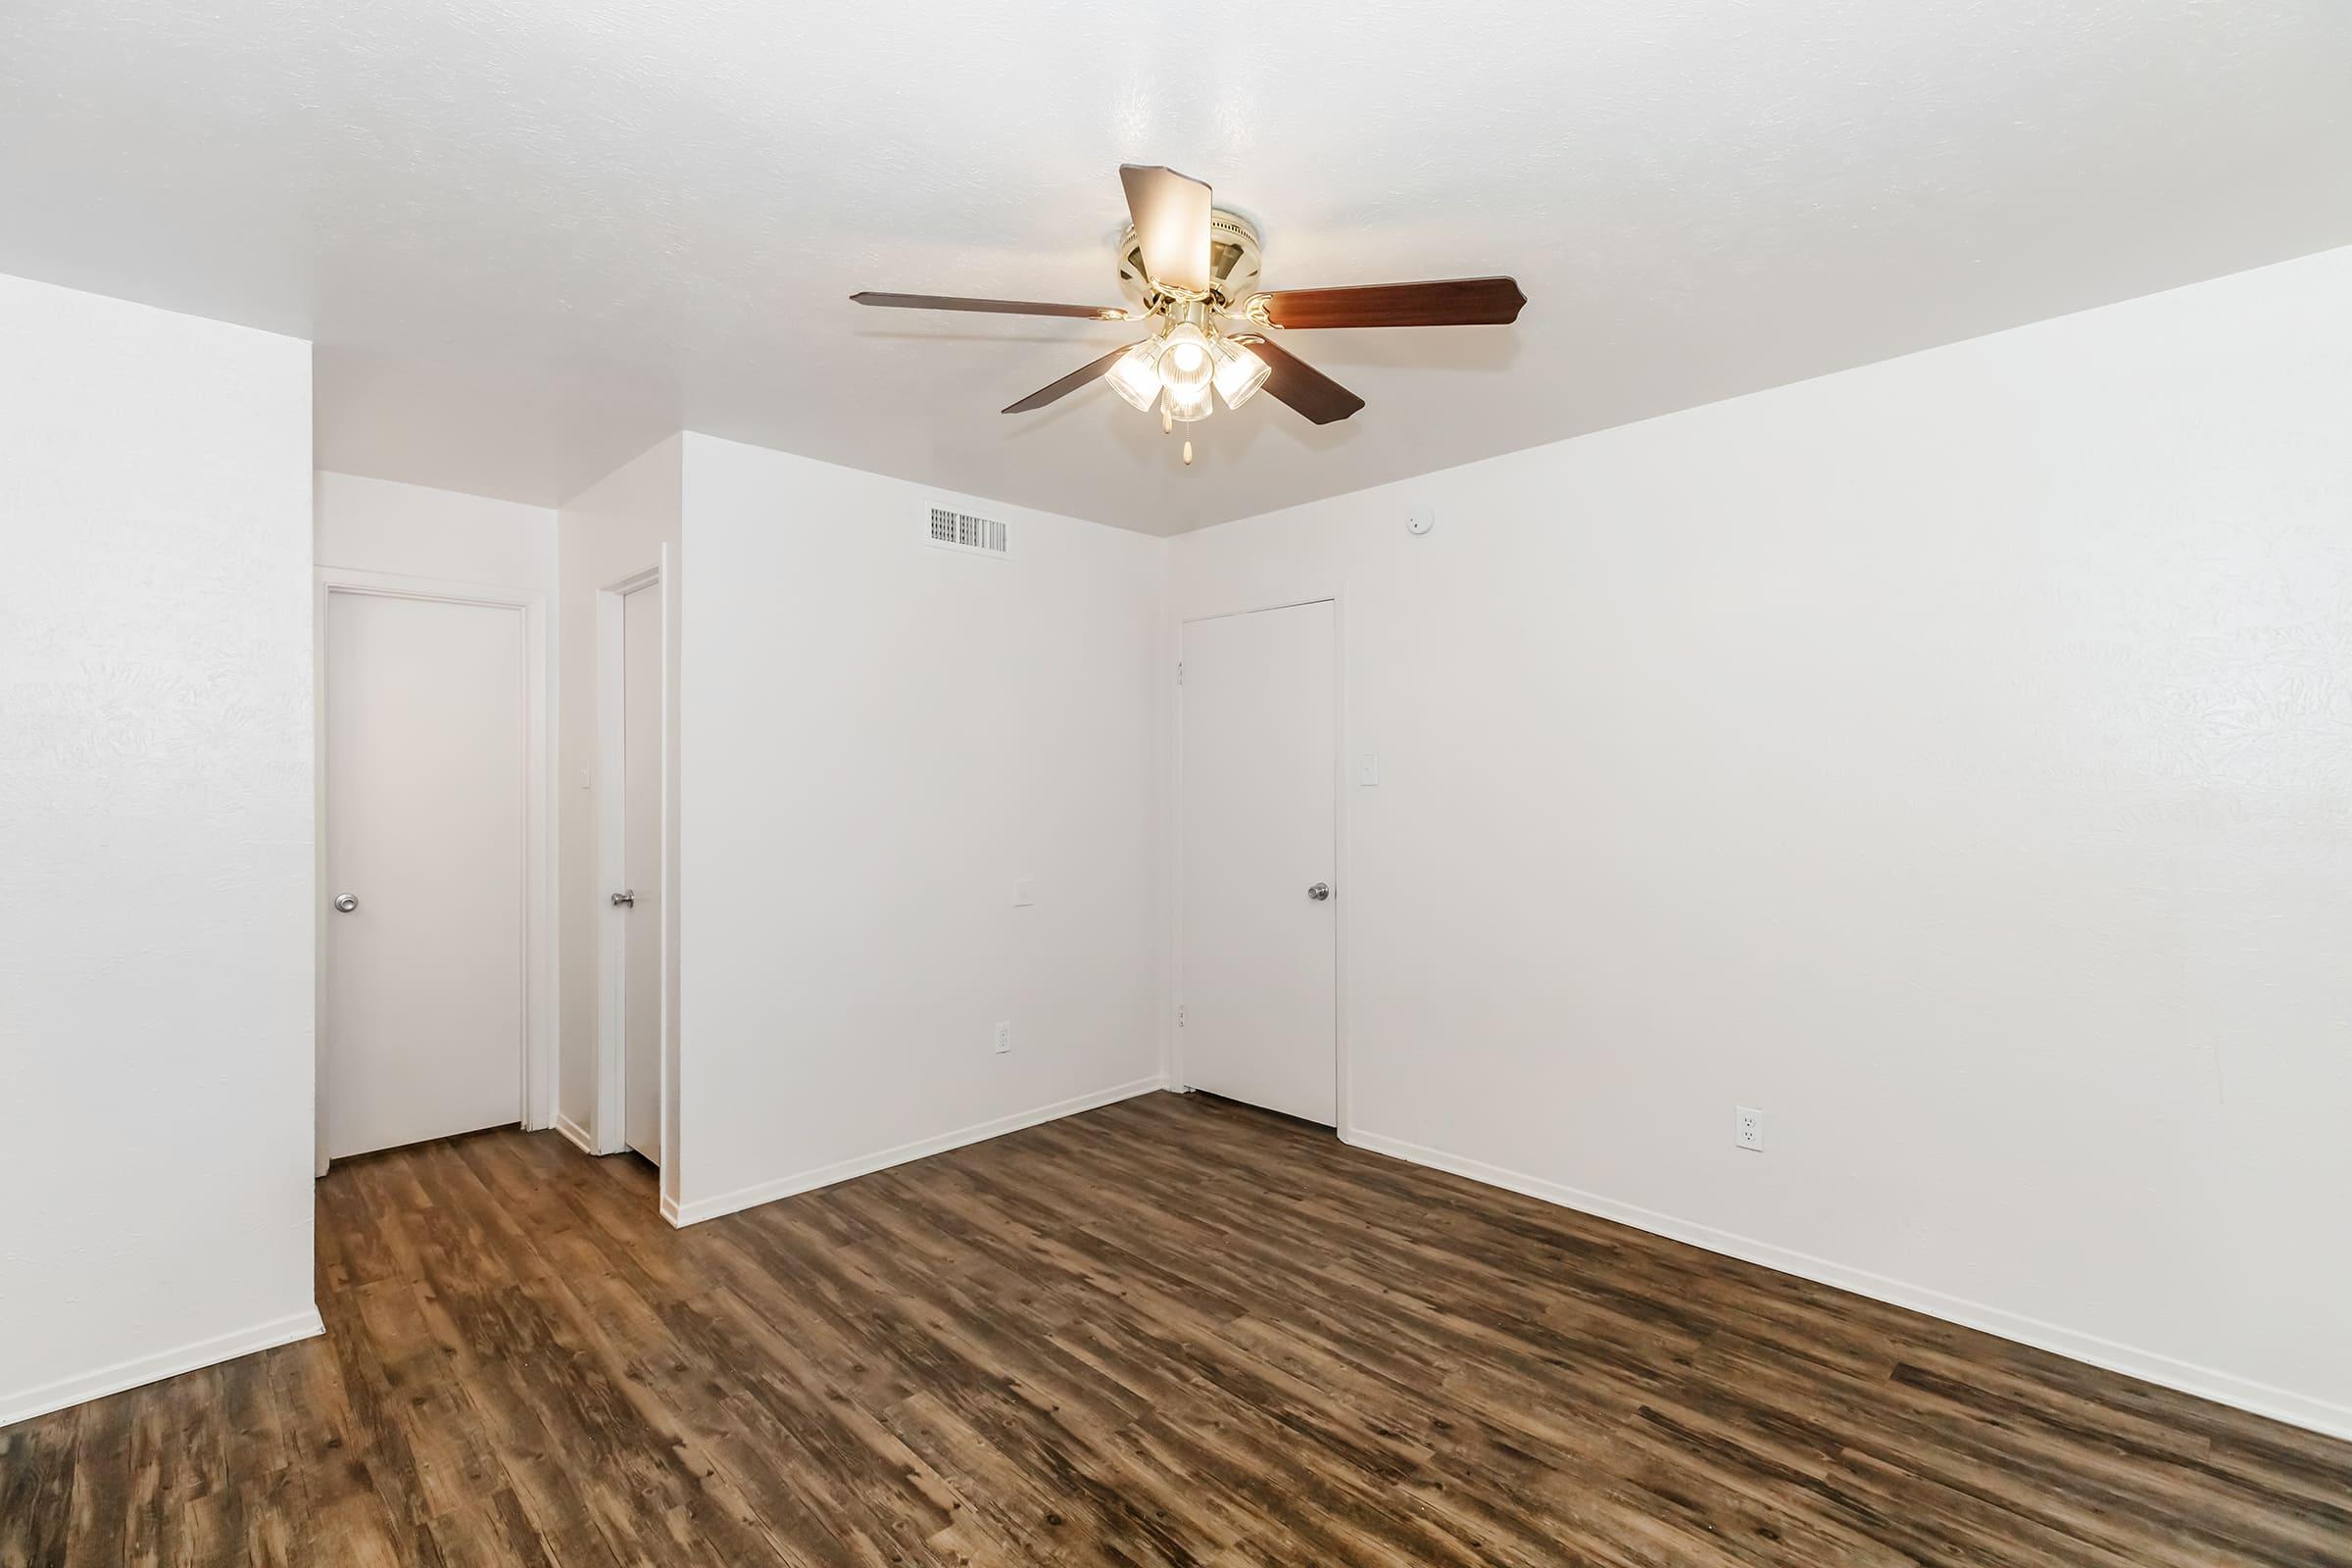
(960, 530)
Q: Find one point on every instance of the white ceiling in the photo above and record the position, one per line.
(531, 236)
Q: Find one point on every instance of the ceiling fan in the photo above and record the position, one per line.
(1191, 268)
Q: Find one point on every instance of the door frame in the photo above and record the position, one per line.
(1342, 749)
(538, 826)
(609, 1129)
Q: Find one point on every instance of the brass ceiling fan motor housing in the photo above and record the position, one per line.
(1234, 252)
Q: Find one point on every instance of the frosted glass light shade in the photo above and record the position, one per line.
(1240, 372)
(1134, 375)
(1188, 403)
(1185, 363)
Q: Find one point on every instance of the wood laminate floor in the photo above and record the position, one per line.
(1172, 1331)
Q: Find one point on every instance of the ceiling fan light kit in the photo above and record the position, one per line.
(1188, 265)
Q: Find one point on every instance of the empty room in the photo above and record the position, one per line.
(1237, 787)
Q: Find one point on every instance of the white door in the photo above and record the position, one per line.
(427, 770)
(1260, 959)
(641, 867)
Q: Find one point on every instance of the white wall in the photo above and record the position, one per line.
(882, 738)
(411, 530)
(1950, 758)
(619, 526)
(156, 830)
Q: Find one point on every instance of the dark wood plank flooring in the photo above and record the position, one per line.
(1172, 1331)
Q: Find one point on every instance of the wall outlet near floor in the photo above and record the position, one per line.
(1747, 1126)
(1004, 1038)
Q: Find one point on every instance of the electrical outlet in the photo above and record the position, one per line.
(1004, 1038)
(1747, 1128)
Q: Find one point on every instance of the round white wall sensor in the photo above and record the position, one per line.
(1420, 521)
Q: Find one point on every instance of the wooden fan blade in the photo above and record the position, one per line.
(1456, 302)
(1303, 387)
(1172, 224)
(1069, 383)
(951, 301)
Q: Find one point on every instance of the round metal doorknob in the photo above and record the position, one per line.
(1319, 892)
(346, 903)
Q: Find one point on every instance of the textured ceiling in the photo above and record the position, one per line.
(531, 236)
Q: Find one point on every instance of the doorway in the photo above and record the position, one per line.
(636, 976)
(639, 899)
(428, 715)
(1259, 951)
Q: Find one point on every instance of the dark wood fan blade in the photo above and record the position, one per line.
(1069, 383)
(1172, 224)
(1303, 387)
(1455, 301)
(951, 301)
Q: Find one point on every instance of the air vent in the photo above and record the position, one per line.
(960, 530)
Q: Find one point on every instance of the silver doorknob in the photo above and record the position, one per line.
(346, 902)
(1319, 892)
(627, 896)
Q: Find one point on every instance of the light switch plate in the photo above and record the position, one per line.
(1367, 770)
(1024, 892)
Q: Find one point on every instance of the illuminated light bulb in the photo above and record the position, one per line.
(1185, 363)
(1188, 405)
(1134, 375)
(1188, 454)
(1240, 372)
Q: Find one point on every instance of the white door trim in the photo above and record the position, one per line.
(540, 956)
(1341, 802)
(609, 1129)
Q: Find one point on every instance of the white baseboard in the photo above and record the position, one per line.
(743, 1198)
(2223, 1388)
(576, 1133)
(26, 1403)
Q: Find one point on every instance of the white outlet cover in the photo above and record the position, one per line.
(1747, 1128)
(1024, 892)
(1004, 1038)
